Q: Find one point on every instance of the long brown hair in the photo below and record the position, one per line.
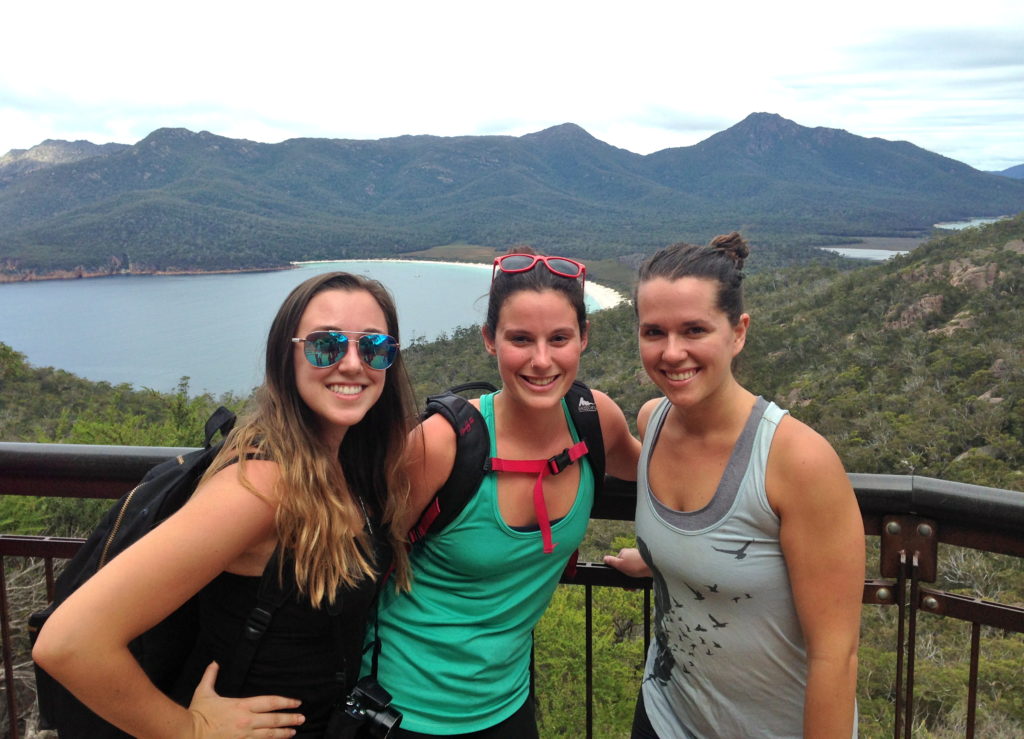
(319, 516)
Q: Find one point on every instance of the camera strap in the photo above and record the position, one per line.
(376, 643)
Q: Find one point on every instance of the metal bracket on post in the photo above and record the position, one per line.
(909, 554)
(911, 535)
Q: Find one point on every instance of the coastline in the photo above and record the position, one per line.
(604, 296)
(70, 274)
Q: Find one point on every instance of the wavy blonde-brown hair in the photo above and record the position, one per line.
(319, 517)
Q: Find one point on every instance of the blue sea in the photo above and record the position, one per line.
(149, 331)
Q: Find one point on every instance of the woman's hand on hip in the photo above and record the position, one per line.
(240, 718)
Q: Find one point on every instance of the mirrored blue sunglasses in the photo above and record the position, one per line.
(327, 348)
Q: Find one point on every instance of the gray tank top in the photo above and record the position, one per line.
(728, 657)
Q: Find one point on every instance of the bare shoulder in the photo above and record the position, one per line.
(622, 450)
(609, 411)
(803, 461)
(802, 450)
(437, 437)
(430, 460)
(259, 471)
(260, 482)
(644, 415)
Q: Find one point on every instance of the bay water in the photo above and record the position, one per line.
(149, 331)
(877, 255)
(969, 223)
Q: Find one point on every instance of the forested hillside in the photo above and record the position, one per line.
(912, 366)
(184, 201)
(915, 365)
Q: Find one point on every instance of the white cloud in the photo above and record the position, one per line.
(642, 76)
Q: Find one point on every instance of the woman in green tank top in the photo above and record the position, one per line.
(456, 649)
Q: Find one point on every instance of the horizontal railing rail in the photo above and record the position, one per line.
(99, 471)
(911, 515)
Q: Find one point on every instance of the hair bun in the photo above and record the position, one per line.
(733, 245)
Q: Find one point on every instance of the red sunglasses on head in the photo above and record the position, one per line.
(561, 266)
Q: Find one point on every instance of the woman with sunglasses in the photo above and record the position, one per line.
(455, 649)
(757, 553)
(313, 476)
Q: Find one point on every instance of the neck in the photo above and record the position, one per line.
(537, 423)
(332, 437)
(723, 410)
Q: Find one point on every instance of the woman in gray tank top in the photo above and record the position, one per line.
(746, 521)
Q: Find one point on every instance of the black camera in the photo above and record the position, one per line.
(366, 711)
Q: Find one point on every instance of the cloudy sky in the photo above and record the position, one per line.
(640, 75)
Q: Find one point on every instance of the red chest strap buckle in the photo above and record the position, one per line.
(543, 468)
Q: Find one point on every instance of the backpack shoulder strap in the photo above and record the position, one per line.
(472, 449)
(583, 410)
(221, 420)
(271, 595)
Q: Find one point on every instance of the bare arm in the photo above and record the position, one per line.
(822, 538)
(620, 446)
(84, 644)
(644, 416)
(431, 458)
(628, 561)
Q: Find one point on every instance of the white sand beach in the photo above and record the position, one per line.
(604, 296)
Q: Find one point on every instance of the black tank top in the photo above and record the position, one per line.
(312, 654)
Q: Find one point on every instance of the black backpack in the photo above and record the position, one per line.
(473, 449)
(162, 650)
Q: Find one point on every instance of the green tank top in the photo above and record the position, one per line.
(455, 651)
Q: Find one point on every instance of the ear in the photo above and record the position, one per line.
(488, 341)
(586, 335)
(740, 333)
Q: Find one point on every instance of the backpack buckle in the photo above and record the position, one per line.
(257, 623)
(560, 461)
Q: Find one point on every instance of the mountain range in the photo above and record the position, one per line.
(1016, 172)
(179, 200)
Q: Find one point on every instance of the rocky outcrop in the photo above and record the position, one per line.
(961, 320)
(51, 153)
(916, 312)
(962, 273)
(965, 274)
